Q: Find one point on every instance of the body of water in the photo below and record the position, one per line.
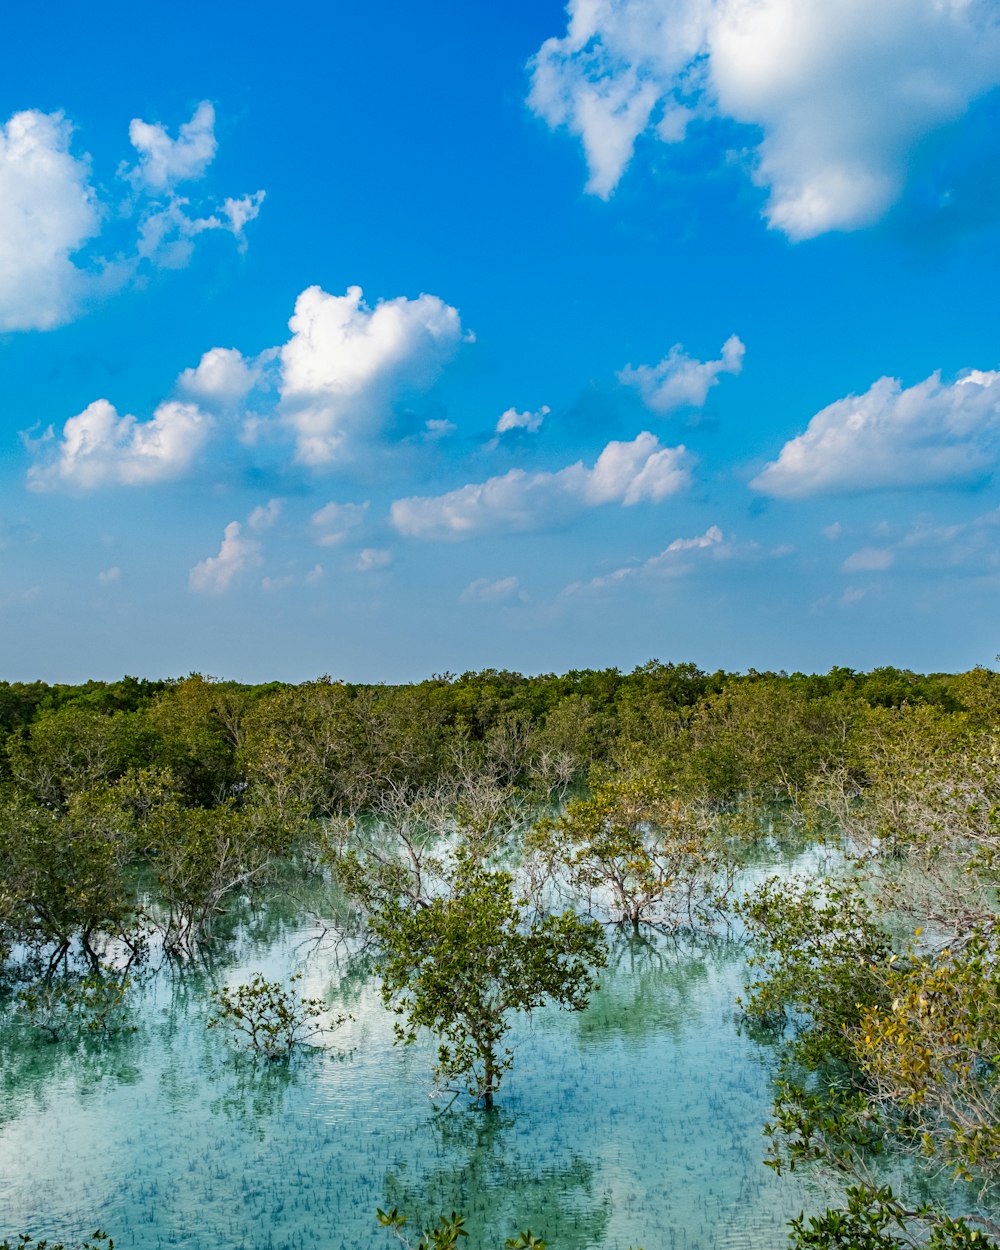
(637, 1122)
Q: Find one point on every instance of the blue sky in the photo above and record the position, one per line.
(396, 340)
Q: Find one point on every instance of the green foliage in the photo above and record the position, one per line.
(70, 1006)
(67, 751)
(464, 963)
(266, 1018)
(762, 738)
(636, 848)
(892, 1048)
(564, 745)
(446, 1233)
(443, 1236)
(197, 727)
(96, 1241)
(203, 857)
(875, 1219)
(932, 1054)
(64, 872)
(821, 959)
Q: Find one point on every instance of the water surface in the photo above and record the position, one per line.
(637, 1122)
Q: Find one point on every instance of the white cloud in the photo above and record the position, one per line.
(832, 532)
(240, 212)
(438, 427)
(625, 473)
(346, 364)
(100, 448)
(482, 590)
(237, 554)
(371, 558)
(929, 434)
(166, 230)
(48, 210)
(334, 522)
(869, 560)
(670, 562)
(340, 373)
(264, 516)
(711, 538)
(108, 577)
(168, 224)
(315, 575)
(222, 378)
(679, 380)
(840, 92)
(163, 162)
(530, 422)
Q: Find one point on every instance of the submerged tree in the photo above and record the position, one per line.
(638, 852)
(64, 872)
(446, 1232)
(463, 964)
(889, 1051)
(203, 857)
(269, 1019)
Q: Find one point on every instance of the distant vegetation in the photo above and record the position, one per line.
(487, 829)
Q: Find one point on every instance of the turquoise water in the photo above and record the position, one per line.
(636, 1123)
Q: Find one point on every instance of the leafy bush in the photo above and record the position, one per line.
(268, 1019)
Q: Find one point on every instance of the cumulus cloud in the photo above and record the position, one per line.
(100, 448)
(679, 380)
(264, 516)
(338, 375)
(334, 522)
(168, 222)
(237, 554)
(371, 558)
(840, 93)
(48, 210)
(107, 577)
(483, 590)
(347, 364)
(669, 563)
(711, 538)
(517, 423)
(438, 427)
(222, 378)
(624, 473)
(530, 422)
(163, 161)
(166, 232)
(933, 433)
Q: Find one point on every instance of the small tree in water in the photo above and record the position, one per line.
(264, 1017)
(462, 965)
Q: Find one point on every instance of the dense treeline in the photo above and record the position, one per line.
(479, 826)
(202, 785)
(346, 740)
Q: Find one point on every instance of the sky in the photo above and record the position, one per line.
(392, 340)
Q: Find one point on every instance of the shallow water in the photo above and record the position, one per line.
(637, 1122)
